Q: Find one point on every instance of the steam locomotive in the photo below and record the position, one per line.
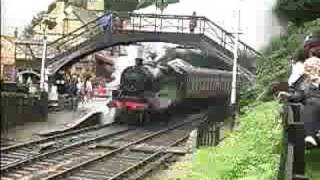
(148, 92)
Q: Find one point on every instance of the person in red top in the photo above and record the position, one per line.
(101, 89)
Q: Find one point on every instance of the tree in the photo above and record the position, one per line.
(38, 18)
(78, 3)
(298, 11)
(28, 31)
(161, 4)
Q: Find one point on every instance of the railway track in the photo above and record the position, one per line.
(124, 162)
(44, 164)
(22, 151)
(115, 149)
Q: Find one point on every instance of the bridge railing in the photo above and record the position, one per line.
(180, 24)
(153, 23)
(78, 36)
(292, 165)
(30, 50)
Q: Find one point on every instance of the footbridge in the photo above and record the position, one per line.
(207, 36)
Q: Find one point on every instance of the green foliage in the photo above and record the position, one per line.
(274, 67)
(313, 164)
(248, 94)
(78, 3)
(28, 32)
(252, 152)
(298, 11)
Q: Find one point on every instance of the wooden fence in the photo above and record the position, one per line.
(211, 131)
(292, 165)
(18, 108)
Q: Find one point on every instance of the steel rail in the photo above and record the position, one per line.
(28, 160)
(82, 165)
(52, 138)
(152, 156)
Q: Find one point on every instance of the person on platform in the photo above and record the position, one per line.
(80, 91)
(74, 93)
(89, 89)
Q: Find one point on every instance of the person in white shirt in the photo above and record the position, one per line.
(297, 68)
(89, 89)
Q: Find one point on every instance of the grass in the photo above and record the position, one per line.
(251, 153)
(312, 159)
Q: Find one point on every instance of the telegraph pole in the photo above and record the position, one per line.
(235, 64)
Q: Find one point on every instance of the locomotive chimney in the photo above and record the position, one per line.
(139, 58)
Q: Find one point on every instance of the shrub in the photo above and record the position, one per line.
(252, 152)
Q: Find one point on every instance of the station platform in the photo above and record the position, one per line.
(59, 122)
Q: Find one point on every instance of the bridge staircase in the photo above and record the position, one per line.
(207, 36)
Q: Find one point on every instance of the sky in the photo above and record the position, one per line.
(18, 13)
(257, 23)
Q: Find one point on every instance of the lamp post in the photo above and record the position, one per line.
(50, 25)
(44, 53)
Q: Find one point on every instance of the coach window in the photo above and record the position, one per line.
(193, 84)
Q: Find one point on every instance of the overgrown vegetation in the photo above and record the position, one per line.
(274, 66)
(313, 164)
(298, 12)
(252, 152)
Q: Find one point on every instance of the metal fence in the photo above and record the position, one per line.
(292, 165)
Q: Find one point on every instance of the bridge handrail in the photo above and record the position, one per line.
(154, 23)
(73, 33)
(233, 37)
(76, 33)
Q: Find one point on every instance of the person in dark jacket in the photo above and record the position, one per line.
(73, 92)
(308, 93)
(306, 90)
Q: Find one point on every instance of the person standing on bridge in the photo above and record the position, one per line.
(193, 22)
(106, 21)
